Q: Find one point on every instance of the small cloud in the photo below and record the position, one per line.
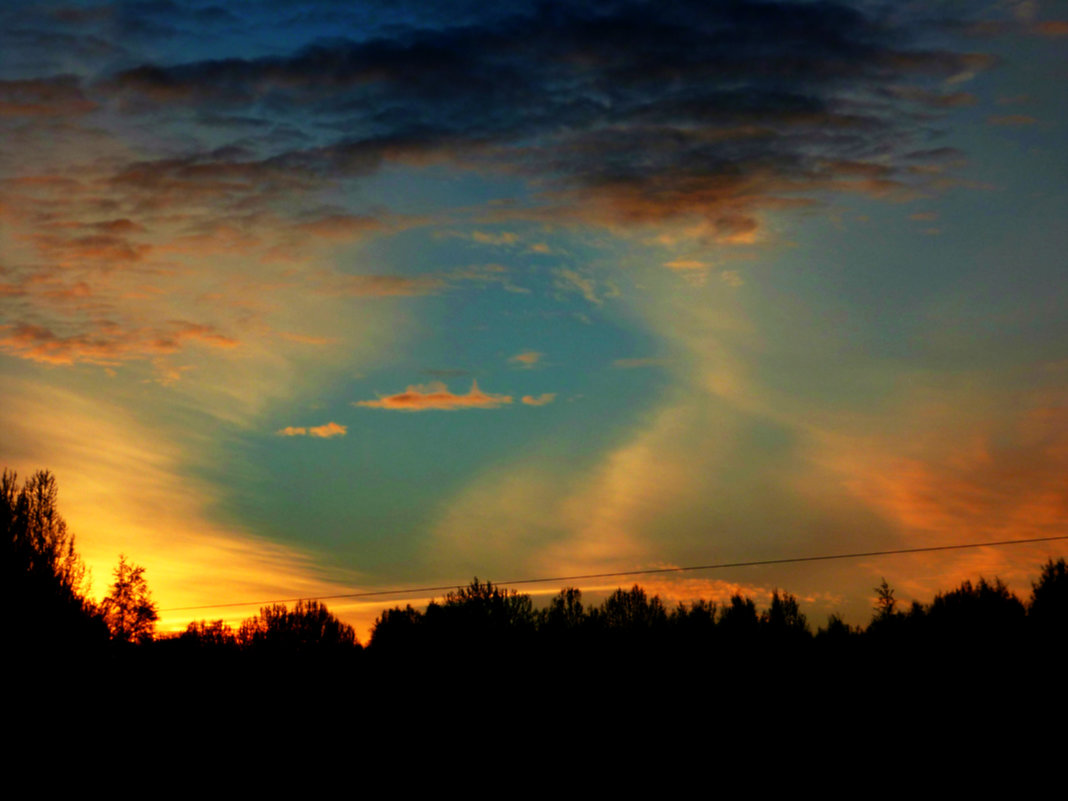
(527, 358)
(540, 247)
(503, 238)
(329, 430)
(924, 216)
(322, 432)
(571, 281)
(540, 400)
(631, 364)
(436, 395)
(731, 278)
(685, 264)
(1052, 27)
(1011, 120)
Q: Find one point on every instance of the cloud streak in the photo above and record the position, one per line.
(527, 358)
(325, 431)
(539, 400)
(436, 396)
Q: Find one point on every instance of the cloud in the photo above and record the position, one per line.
(527, 358)
(718, 110)
(686, 264)
(1011, 120)
(323, 432)
(572, 281)
(436, 395)
(731, 278)
(340, 226)
(1052, 27)
(503, 238)
(106, 343)
(44, 97)
(541, 400)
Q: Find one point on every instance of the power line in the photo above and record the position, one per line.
(645, 572)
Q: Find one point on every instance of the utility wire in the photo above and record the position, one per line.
(645, 572)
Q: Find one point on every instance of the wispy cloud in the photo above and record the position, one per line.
(488, 238)
(572, 281)
(1011, 120)
(539, 400)
(436, 396)
(731, 278)
(527, 358)
(106, 344)
(686, 264)
(326, 431)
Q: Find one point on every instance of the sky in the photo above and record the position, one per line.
(314, 298)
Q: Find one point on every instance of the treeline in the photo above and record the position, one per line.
(44, 586)
(485, 619)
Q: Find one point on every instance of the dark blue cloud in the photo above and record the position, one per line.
(650, 109)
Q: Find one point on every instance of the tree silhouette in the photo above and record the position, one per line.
(784, 617)
(128, 610)
(885, 603)
(310, 627)
(631, 610)
(565, 611)
(1049, 596)
(43, 580)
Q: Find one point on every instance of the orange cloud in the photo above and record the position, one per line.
(1052, 27)
(323, 432)
(540, 400)
(503, 238)
(108, 344)
(340, 226)
(43, 97)
(527, 358)
(436, 395)
(685, 264)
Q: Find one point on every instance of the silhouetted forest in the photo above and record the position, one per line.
(485, 639)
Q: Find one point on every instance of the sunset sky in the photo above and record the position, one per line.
(321, 297)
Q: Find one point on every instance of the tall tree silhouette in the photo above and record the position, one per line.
(128, 610)
(1049, 596)
(43, 579)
